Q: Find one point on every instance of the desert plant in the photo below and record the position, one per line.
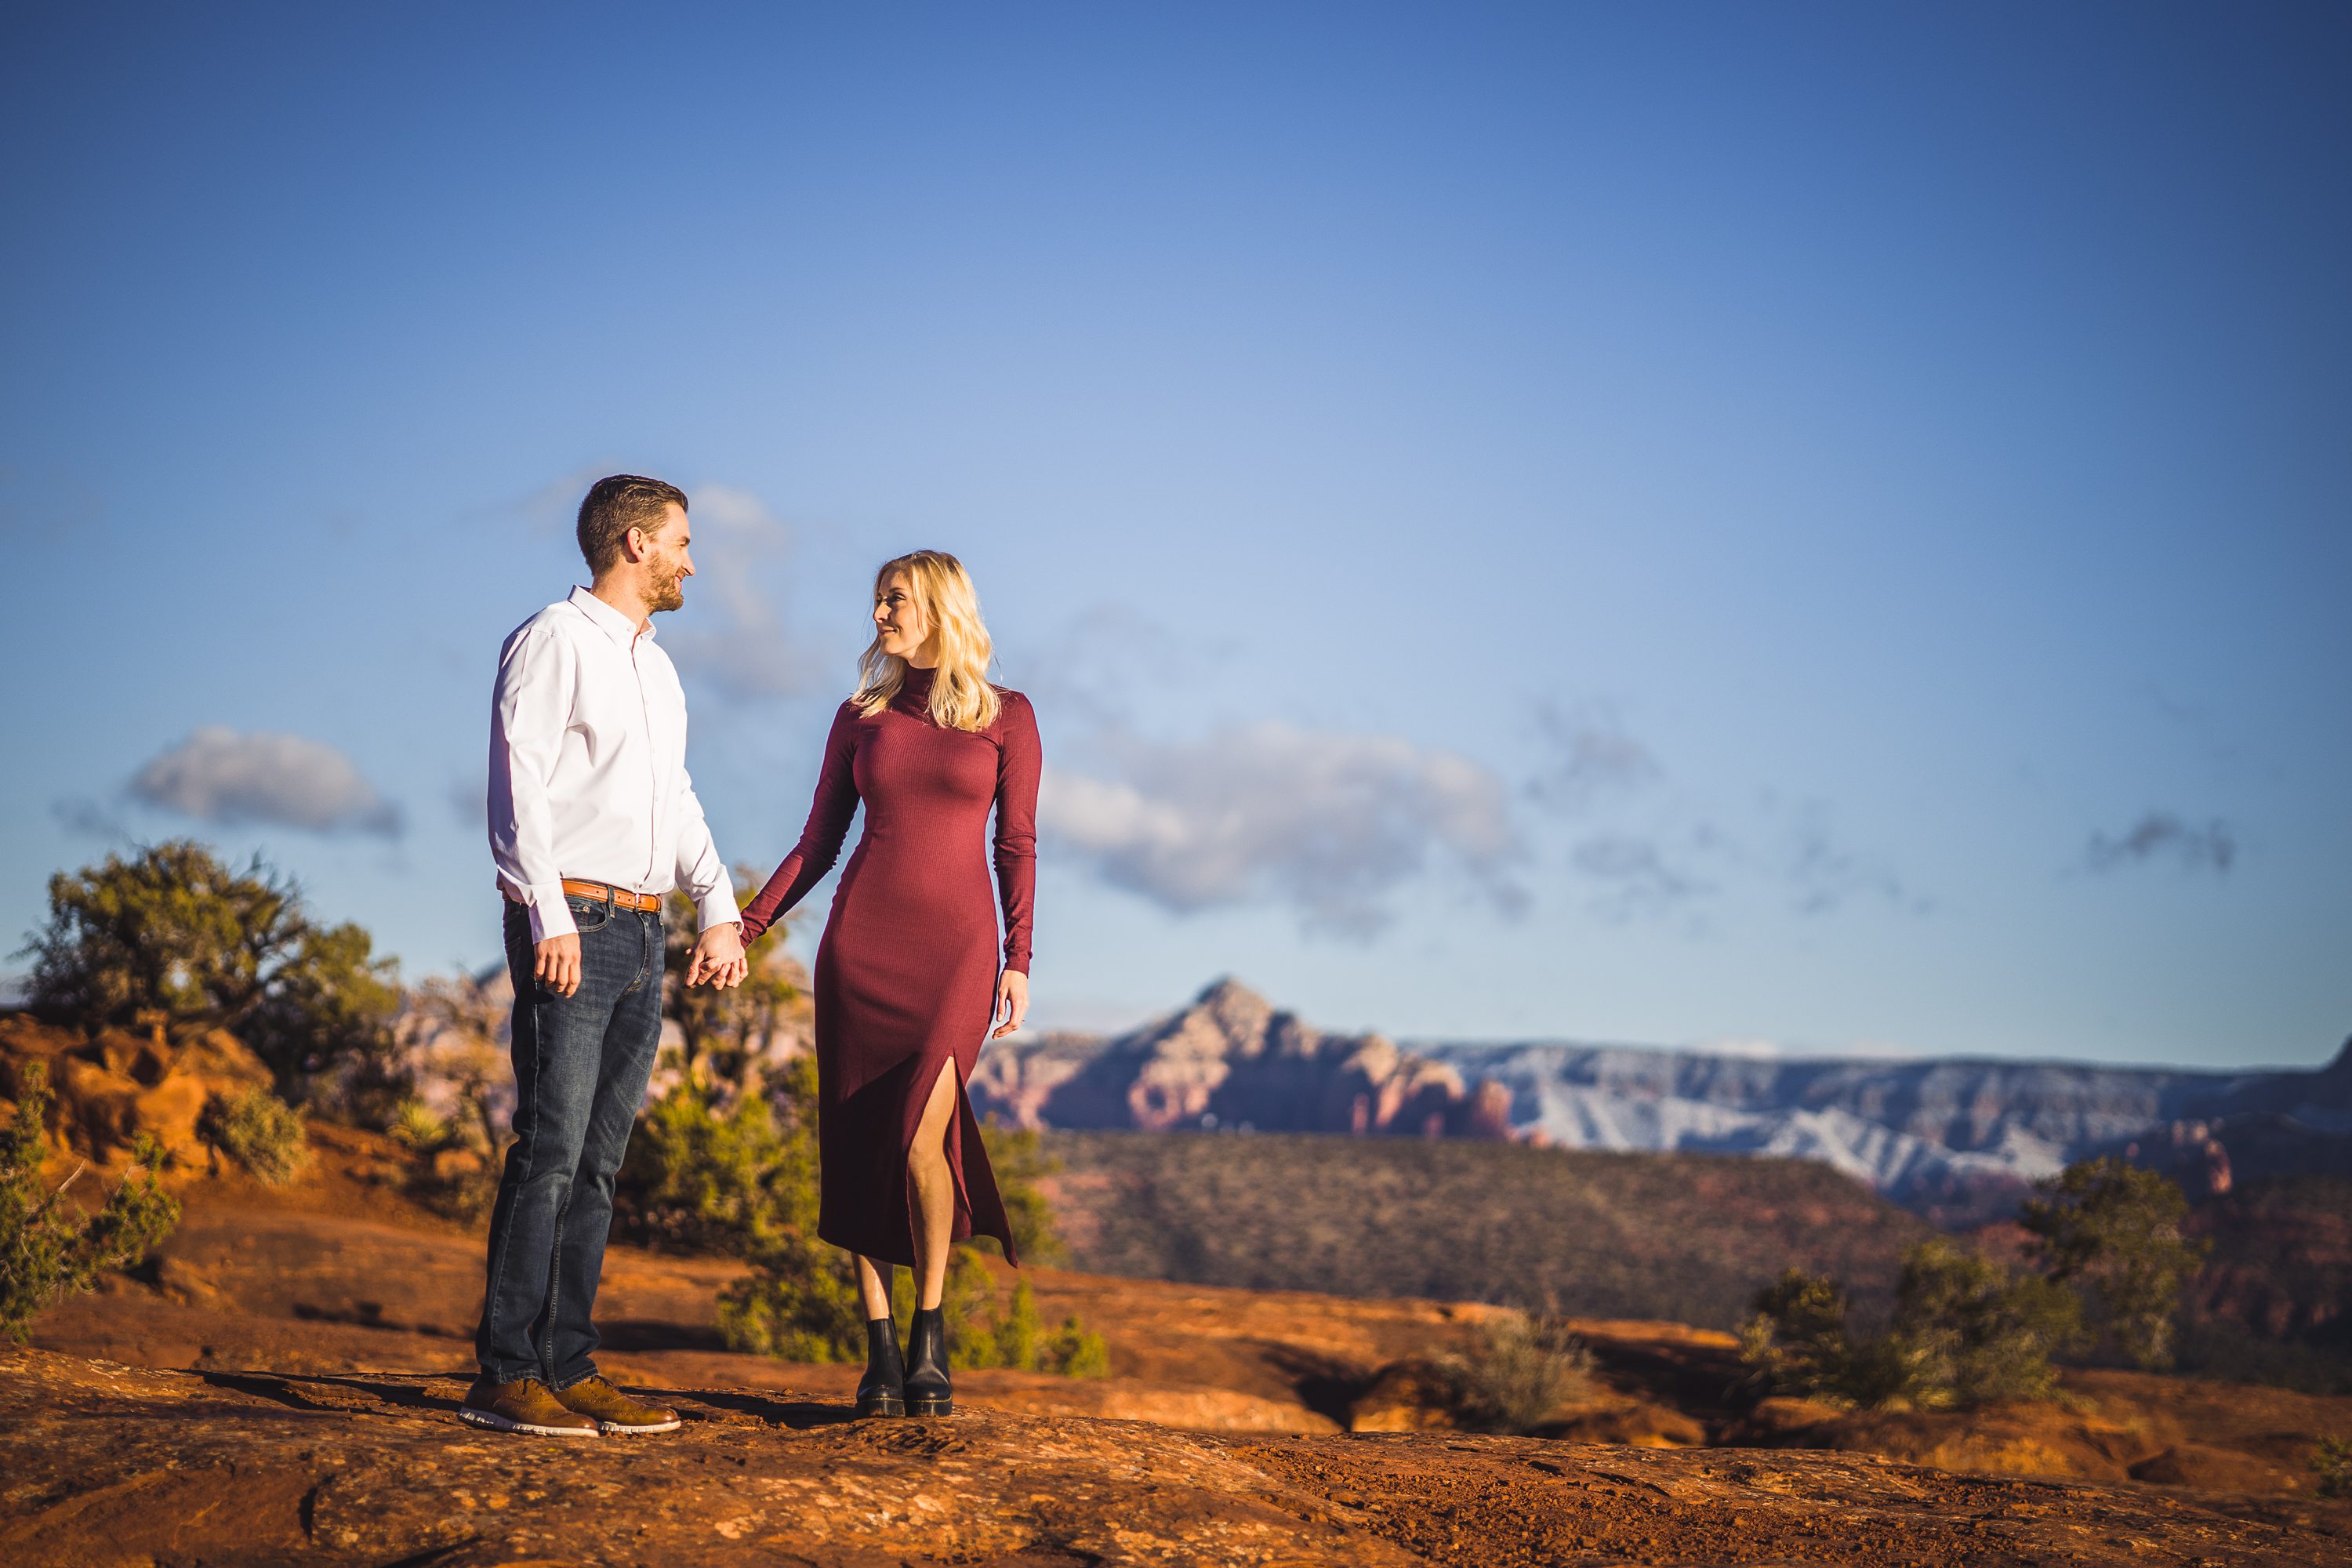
(701, 1178)
(1976, 1333)
(2113, 1232)
(324, 1023)
(1799, 1338)
(1010, 1332)
(413, 1125)
(259, 1131)
(1517, 1370)
(2332, 1463)
(1965, 1331)
(48, 1246)
(799, 1302)
(174, 933)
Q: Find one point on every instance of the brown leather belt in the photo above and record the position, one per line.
(620, 898)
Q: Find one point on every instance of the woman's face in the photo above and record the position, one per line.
(899, 620)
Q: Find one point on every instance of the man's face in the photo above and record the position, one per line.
(667, 564)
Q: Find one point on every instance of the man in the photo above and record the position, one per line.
(593, 819)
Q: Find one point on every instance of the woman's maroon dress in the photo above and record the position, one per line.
(906, 973)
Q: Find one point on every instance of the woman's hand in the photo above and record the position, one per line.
(1012, 1002)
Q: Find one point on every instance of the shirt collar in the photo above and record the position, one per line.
(616, 626)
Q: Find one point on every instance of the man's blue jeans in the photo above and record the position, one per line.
(581, 1064)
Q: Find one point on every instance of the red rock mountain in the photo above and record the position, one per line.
(1232, 1058)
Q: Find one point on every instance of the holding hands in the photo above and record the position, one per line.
(718, 957)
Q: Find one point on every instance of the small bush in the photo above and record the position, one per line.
(1966, 1331)
(413, 1126)
(1977, 1333)
(2333, 1465)
(50, 1247)
(1799, 1339)
(1518, 1371)
(697, 1178)
(1014, 1336)
(800, 1303)
(259, 1131)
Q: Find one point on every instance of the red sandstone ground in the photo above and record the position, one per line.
(307, 1346)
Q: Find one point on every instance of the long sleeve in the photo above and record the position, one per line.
(530, 708)
(700, 872)
(828, 824)
(1019, 759)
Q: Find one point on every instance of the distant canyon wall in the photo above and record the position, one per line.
(1949, 1137)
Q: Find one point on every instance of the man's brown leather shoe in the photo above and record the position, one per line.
(523, 1405)
(615, 1413)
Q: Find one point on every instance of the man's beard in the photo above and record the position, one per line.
(666, 593)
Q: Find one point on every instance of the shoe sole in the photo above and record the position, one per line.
(871, 1409)
(931, 1407)
(492, 1421)
(615, 1429)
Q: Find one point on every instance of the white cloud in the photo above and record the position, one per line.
(748, 653)
(219, 775)
(1331, 824)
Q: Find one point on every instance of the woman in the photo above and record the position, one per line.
(907, 977)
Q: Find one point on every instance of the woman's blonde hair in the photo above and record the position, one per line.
(961, 698)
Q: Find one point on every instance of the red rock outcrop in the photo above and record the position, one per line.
(117, 1084)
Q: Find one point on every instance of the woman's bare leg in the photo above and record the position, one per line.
(933, 1185)
(874, 1286)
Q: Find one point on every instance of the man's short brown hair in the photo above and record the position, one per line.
(616, 505)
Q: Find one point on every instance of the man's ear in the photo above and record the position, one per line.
(633, 545)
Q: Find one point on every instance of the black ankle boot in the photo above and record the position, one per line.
(929, 1392)
(883, 1390)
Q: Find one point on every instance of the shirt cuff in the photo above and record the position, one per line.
(549, 915)
(719, 909)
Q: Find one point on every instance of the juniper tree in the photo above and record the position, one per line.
(2112, 1231)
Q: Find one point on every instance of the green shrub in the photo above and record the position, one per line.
(2332, 1463)
(1976, 1333)
(1966, 1331)
(699, 1178)
(1013, 1334)
(1518, 1371)
(2113, 1232)
(49, 1247)
(413, 1126)
(1800, 1339)
(259, 1131)
(799, 1302)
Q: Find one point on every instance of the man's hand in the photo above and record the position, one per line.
(1012, 1002)
(718, 957)
(558, 963)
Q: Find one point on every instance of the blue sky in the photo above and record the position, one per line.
(1823, 525)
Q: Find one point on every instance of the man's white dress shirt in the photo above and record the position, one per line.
(588, 768)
